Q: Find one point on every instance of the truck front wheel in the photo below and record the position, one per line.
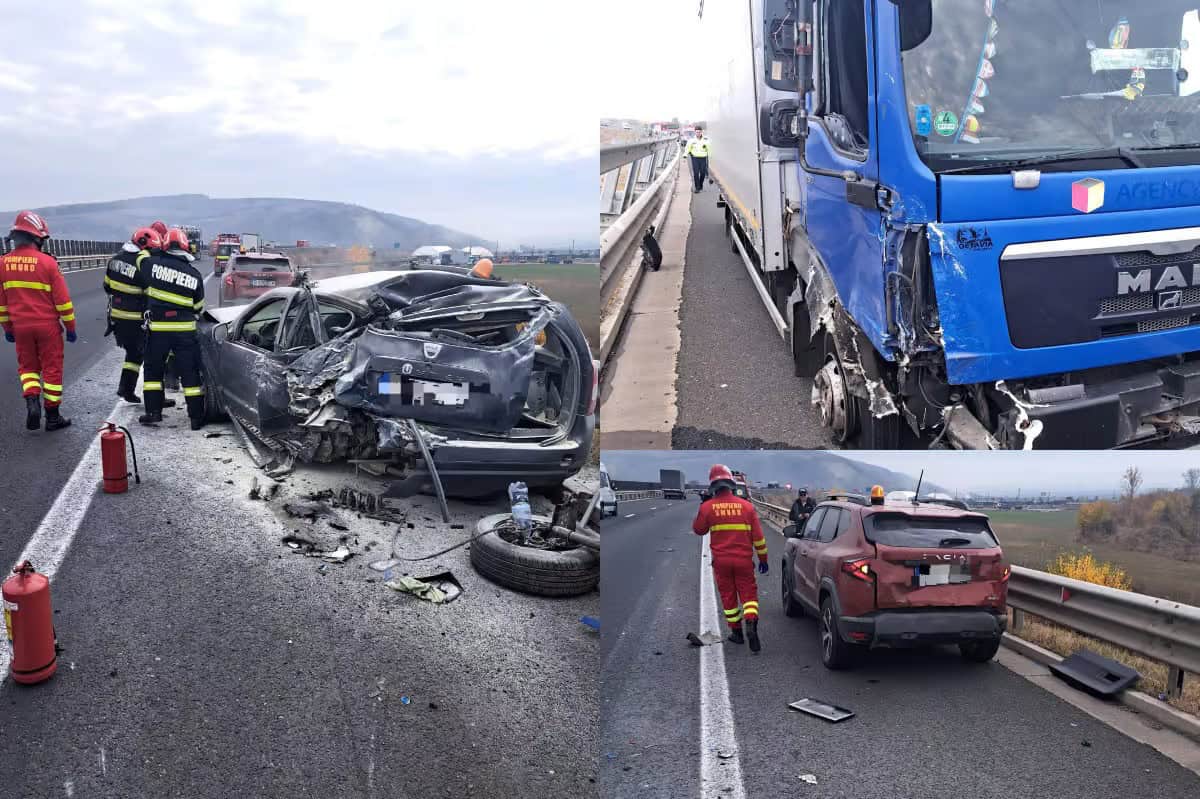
(848, 416)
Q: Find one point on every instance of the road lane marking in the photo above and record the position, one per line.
(719, 777)
(48, 546)
(630, 515)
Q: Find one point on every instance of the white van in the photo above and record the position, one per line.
(608, 497)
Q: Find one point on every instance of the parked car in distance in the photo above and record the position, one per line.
(254, 274)
(608, 497)
(896, 575)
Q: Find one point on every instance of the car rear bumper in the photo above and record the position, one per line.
(918, 627)
(476, 468)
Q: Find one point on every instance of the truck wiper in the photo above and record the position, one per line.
(1122, 153)
(1186, 146)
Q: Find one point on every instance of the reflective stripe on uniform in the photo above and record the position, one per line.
(28, 384)
(70, 317)
(750, 608)
(172, 327)
(761, 546)
(193, 391)
(4, 318)
(199, 306)
(131, 366)
(51, 397)
(127, 288)
(66, 306)
(117, 313)
(152, 385)
(716, 528)
(33, 375)
(51, 387)
(167, 296)
(26, 284)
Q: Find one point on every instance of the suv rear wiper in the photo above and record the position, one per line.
(954, 542)
(1123, 153)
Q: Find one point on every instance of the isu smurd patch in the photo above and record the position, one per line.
(1087, 195)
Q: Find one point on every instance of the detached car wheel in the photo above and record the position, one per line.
(541, 568)
(979, 651)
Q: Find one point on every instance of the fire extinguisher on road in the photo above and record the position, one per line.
(112, 458)
(29, 623)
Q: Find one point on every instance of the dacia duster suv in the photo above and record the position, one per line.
(896, 575)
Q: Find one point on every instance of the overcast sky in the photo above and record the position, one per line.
(662, 73)
(966, 472)
(476, 114)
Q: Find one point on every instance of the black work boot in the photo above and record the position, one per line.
(752, 634)
(126, 389)
(735, 636)
(197, 423)
(55, 420)
(168, 403)
(33, 412)
(150, 418)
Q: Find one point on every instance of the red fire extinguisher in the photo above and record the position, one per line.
(29, 622)
(112, 458)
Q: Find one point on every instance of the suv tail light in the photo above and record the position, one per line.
(1004, 572)
(595, 387)
(229, 278)
(859, 569)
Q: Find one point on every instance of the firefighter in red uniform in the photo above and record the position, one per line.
(35, 307)
(732, 523)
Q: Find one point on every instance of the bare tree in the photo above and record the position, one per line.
(1131, 481)
(1191, 480)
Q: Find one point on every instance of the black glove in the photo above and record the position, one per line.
(762, 567)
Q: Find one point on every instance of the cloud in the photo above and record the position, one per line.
(310, 99)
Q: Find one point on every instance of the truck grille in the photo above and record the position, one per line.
(1168, 323)
(1143, 258)
(1129, 303)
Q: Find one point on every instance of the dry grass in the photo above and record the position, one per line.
(1154, 675)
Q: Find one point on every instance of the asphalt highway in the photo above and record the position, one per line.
(737, 388)
(205, 658)
(928, 724)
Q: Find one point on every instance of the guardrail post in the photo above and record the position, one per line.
(1174, 682)
(1018, 620)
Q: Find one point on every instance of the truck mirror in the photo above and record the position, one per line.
(916, 22)
(778, 125)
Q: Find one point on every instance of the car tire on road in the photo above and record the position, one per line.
(543, 572)
(979, 651)
(836, 654)
(791, 608)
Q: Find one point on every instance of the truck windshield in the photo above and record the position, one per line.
(999, 80)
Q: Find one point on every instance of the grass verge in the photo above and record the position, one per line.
(1063, 641)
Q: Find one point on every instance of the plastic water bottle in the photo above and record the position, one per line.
(518, 497)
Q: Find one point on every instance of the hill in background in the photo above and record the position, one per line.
(815, 469)
(276, 219)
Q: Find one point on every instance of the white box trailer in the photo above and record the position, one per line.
(758, 183)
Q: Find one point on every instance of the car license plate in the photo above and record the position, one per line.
(262, 282)
(426, 392)
(942, 574)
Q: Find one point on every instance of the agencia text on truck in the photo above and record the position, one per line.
(977, 221)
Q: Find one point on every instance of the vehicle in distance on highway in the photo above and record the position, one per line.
(495, 377)
(254, 274)
(671, 481)
(608, 497)
(896, 575)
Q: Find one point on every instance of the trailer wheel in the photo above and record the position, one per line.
(544, 571)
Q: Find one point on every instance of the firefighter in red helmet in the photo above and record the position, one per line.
(170, 379)
(125, 285)
(35, 308)
(735, 535)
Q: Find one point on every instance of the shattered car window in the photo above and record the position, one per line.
(262, 329)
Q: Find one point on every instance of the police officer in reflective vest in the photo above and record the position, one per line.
(697, 150)
(174, 298)
(734, 534)
(126, 290)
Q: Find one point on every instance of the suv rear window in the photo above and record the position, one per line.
(901, 530)
(245, 264)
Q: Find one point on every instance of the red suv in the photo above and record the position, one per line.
(900, 574)
(254, 274)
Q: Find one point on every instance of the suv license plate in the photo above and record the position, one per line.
(262, 282)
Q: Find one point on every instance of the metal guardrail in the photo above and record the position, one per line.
(73, 254)
(627, 496)
(1158, 629)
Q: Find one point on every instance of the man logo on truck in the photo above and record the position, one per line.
(1141, 281)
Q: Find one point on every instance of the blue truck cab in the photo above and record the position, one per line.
(991, 217)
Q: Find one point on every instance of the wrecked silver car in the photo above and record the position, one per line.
(492, 380)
